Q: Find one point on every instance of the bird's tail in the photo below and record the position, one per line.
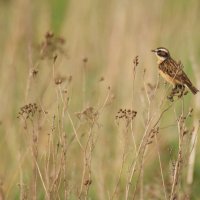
(192, 88)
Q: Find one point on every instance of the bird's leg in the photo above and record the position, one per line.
(170, 97)
(174, 92)
(182, 90)
(176, 89)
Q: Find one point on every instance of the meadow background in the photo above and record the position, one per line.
(68, 71)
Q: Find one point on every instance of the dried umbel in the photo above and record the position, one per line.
(89, 114)
(51, 46)
(28, 111)
(126, 114)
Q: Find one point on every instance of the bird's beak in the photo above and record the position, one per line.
(153, 51)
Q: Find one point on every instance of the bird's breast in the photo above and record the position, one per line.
(167, 77)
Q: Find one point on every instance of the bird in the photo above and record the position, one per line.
(172, 71)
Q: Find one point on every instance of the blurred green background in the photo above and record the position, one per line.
(109, 34)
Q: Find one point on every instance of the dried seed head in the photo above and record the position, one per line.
(101, 79)
(126, 114)
(34, 72)
(28, 111)
(135, 61)
(59, 79)
(85, 59)
(89, 114)
(51, 46)
(49, 35)
(88, 182)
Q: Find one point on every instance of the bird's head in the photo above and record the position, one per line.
(161, 53)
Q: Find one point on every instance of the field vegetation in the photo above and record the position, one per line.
(84, 113)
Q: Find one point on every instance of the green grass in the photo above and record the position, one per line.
(58, 11)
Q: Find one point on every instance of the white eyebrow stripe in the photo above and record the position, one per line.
(162, 49)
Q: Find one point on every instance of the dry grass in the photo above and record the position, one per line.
(84, 114)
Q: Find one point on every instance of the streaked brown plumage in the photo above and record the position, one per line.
(172, 71)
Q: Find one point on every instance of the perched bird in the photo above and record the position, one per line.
(172, 71)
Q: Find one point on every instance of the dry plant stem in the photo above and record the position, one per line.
(141, 167)
(191, 161)
(84, 82)
(29, 73)
(87, 156)
(142, 180)
(161, 168)
(133, 165)
(34, 155)
(65, 179)
(54, 186)
(74, 130)
(148, 98)
(87, 153)
(133, 136)
(133, 96)
(64, 101)
(176, 172)
(12, 181)
(100, 109)
(59, 119)
(83, 174)
(149, 119)
(68, 114)
(157, 84)
(21, 180)
(179, 158)
(33, 147)
(53, 70)
(54, 154)
(120, 174)
(57, 178)
(72, 138)
(49, 152)
(42, 180)
(143, 145)
(138, 179)
(89, 171)
(141, 173)
(144, 139)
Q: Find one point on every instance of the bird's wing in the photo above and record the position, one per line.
(170, 67)
(175, 71)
